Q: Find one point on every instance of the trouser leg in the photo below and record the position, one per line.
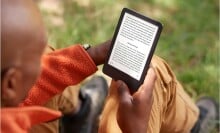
(173, 111)
(66, 102)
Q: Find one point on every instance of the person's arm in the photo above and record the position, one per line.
(63, 68)
(134, 110)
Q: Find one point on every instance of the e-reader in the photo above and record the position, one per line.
(132, 48)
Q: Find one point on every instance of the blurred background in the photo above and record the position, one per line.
(189, 41)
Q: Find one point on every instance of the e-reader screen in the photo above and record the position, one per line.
(134, 39)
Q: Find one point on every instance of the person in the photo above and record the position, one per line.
(160, 104)
(23, 41)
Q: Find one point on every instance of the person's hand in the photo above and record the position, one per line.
(134, 111)
(99, 52)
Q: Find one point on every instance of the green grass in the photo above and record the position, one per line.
(189, 41)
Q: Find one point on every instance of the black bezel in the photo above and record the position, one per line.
(116, 74)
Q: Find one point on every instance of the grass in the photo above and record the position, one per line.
(189, 41)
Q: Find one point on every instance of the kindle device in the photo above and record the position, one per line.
(132, 48)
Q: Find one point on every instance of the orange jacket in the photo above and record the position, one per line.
(60, 69)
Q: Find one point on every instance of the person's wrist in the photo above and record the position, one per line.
(137, 129)
(94, 54)
(97, 54)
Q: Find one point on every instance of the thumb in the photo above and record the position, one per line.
(123, 93)
(149, 82)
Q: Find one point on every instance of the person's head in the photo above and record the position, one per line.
(23, 39)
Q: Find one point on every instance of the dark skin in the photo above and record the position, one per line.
(23, 40)
(99, 52)
(136, 107)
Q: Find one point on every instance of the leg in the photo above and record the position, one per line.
(172, 110)
(66, 102)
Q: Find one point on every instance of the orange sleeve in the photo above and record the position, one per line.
(20, 120)
(60, 69)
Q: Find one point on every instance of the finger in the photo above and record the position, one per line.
(113, 88)
(149, 82)
(123, 93)
(114, 84)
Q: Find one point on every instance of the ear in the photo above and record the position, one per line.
(9, 86)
